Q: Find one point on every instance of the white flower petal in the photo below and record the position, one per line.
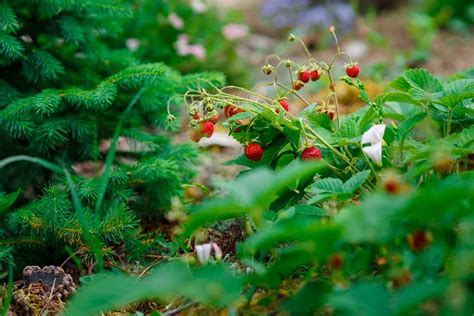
(374, 152)
(203, 252)
(374, 135)
(217, 251)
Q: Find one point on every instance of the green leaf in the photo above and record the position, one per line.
(329, 185)
(6, 200)
(308, 299)
(407, 299)
(421, 80)
(212, 285)
(356, 181)
(364, 299)
(396, 96)
(405, 127)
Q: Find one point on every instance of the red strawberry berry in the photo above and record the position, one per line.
(195, 116)
(206, 128)
(311, 153)
(214, 119)
(283, 104)
(331, 114)
(304, 76)
(352, 70)
(237, 129)
(231, 110)
(314, 75)
(195, 136)
(253, 151)
(419, 240)
(298, 84)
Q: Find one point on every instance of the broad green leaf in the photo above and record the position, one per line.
(328, 185)
(210, 285)
(396, 96)
(405, 127)
(211, 212)
(421, 80)
(294, 229)
(309, 298)
(409, 298)
(348, 130)
(363, 299)
(356, 181)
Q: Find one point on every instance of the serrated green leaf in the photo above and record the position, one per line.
(422, 80)
(356, 181)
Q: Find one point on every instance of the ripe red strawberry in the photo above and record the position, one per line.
(314, 75)
(237, 129)
(230, 110)
(331, 114)
(304, 76)
(214, 119)
(283, 104)
(336, 261)
(195, 136)
(419, 240)
(195, 116)
(206, 128)
(352, 70)
(311, 153)
(253, 151)
(298, 84)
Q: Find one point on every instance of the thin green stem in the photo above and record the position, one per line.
(104, 181)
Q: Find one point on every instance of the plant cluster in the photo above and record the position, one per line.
(87, 126)
(377, 222)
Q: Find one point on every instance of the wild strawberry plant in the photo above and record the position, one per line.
(377, 222)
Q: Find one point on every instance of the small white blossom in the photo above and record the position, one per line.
(374, 135)
(175, 21)
(198, 6)
(133, 44)
(374, 152)
(234, 31)
(203, 252)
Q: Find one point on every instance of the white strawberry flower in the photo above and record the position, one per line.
(374, 137)
(203, 252)
(374, 152)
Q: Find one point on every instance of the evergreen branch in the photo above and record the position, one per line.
(10, 47)
(8, 19)
(41, 65)
(147, 74)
